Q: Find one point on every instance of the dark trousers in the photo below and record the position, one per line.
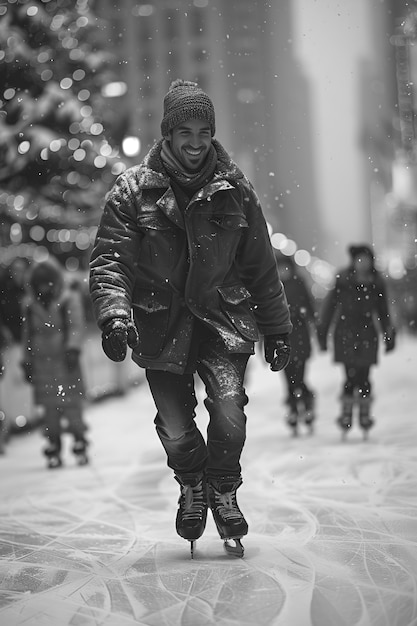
(294, 375)
(174, 395)
(53, 426)
(357, 378)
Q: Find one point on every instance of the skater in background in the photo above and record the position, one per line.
(184, 244)
(300, 398)
(5, 339)
(356, 312)
(12, 295)
(13, 285)
(52, 338)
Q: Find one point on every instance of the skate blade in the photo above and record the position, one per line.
(54, 464)
(234, 550)
(293, 426)
(366, 434)
(193, 544)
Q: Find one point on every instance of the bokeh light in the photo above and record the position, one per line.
(131, 146)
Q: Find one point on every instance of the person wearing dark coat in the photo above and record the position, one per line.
(52, 339)
(357, 312)
(300, 398)
(183, 246)
(5, 338)
(12, 295)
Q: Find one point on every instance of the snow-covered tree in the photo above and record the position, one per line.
(57, 155)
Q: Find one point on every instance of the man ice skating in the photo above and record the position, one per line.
(183, 272)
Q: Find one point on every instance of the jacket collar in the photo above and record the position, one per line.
(151, 174)
(168, 202)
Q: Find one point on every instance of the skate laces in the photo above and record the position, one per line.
(227, 505)
(193, 501)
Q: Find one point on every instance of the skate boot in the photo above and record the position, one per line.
(229, 520)
(80, 450)
(53, 454)
(308, 414)
(292, 416)
(292, 421)
(345, 420)
(192, 508)
(365, 420)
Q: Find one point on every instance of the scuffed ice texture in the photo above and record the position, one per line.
(332, 525)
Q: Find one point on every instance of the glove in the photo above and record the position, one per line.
(117, 334)
(72, 358)
(277, 350)
(27, 371)
(389, 339)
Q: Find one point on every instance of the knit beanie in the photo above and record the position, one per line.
(48, 271)
(184, 101)
(360, 250)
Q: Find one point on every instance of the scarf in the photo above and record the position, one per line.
(190, 182)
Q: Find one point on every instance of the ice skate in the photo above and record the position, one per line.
(292, 421)
(345, 420)
(192, 508)
(53, 455)
(309, 419)
(306, 412)
(229, 520)
(80, 450)
(292, 416)
(365, 420)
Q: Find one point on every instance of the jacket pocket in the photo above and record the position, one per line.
(151, 311)
(234, 301)
(229, 221)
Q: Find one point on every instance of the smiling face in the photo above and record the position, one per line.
(190, 142)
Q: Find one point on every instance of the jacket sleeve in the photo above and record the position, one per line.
(112, 260)
(26, 333)
(257, 268)
(327, 312)
(383, 315)
(307, 301)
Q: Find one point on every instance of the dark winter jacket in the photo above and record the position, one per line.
(50, 335)
(212, 261)
(11, 297)
(302, 317)
(357, 312)
(4, 340)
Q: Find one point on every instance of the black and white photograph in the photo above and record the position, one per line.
(208, 313)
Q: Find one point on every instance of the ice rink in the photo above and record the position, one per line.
(332, 525)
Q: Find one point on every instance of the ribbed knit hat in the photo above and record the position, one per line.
(360, 250)
(185, 100)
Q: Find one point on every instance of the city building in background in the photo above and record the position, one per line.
(315, 101)
(308, 101)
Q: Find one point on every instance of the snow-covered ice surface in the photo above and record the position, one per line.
(332, 525)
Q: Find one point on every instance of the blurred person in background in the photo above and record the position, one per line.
(5, 339)
(356, 312)
(184, 244)
(52, 339)
(301, 398)
(16, 396)
(12, 295)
